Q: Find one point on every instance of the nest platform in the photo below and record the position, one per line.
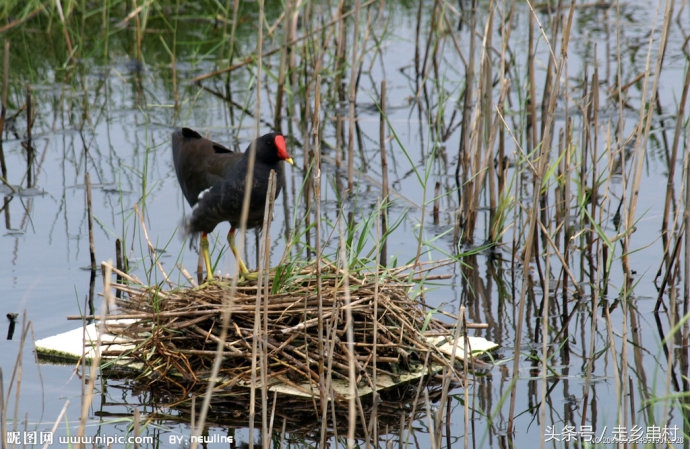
(292, 334)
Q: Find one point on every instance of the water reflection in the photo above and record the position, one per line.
(397, 416)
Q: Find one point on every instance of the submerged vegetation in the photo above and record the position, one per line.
(542, 148)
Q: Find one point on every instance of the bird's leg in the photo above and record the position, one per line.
(206, 256)
(200, 264)
(231, 241)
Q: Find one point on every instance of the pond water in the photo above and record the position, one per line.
(112, 117)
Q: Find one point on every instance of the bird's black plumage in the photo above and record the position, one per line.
(213, 179)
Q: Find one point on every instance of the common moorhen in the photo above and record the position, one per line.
(213, 177)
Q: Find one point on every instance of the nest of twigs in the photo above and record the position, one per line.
(301, 327)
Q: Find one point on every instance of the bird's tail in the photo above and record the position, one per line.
(186, 232)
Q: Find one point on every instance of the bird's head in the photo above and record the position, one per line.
(271, 147)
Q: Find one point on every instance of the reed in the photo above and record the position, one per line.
(3, 110)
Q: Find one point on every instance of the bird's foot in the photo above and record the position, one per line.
(222, 283)
(253, 276)
(243, 277)
(249, 276)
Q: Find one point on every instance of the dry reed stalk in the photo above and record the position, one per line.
(173, 76)
(485, 180)
(285, 60)
(496, 176)
(462, 319)
(531, 238)
(342, 257)
(669, 203)
(642, 134)
(684, 356)
(437, 203)
(383, 205)
(3, 111)
(590, 139)
(309, 168)
(92, 245)
(185, 273)
(124, 275)
(418, 41)
(65, 28)
(543, 363)
(89, 212)
(136, 427)
(640, 145)
(224, 328)
(18, 21)
(28, 143)
(89, 382)
(594, 118)
(59, 418)
(459, 331)
(462, 169)
(264, 293)
(322, 316)
(483, 168)
(119, 261)
(138, 32)
(340, 61)
(233, 29)
(352, 98)
(15, 381)
(677, 237)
